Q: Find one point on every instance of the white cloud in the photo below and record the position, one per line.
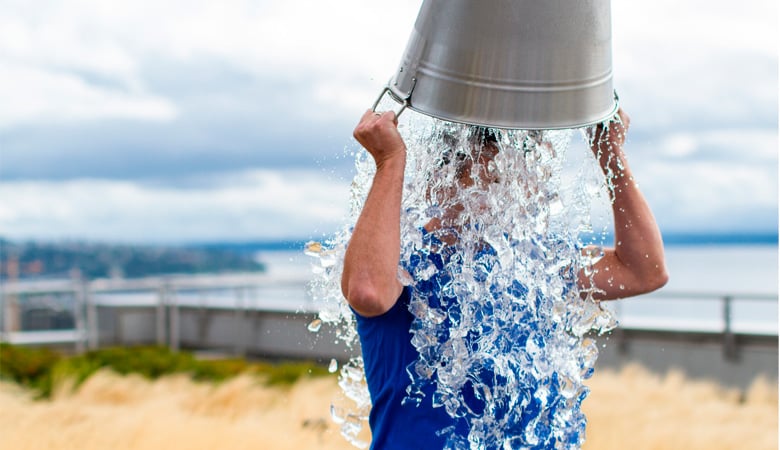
(33, 95)
(677, 57)
(709, 196)
(742, 146)
(679, 145)
(696, 61)
(711, 180)
(250, 205)
(351, 45)
(698, 77)
(55, 69)
(750, 26)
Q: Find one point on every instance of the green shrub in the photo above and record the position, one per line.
(29, 367)
(287, 373)
(41, 369)
(151, 362)
(220, 369)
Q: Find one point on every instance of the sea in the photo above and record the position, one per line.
(703, 278)
(712, 288)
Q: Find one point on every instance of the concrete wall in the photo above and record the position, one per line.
(238, 332)
(732, 360)
(259, 333)
(698, 355)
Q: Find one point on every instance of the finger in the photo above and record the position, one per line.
(388, 115)
(376, 116)
(625, 119)
(368, 114)
(622, 117)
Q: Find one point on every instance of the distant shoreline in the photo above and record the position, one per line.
(670, 239)
(720, 239)
(675, 239)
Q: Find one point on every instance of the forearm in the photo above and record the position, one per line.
(636, 263)
(638, 242)
(369, 281)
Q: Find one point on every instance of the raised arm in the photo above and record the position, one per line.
(369, 281)
(636, 263)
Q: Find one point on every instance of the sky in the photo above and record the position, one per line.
(198, 121)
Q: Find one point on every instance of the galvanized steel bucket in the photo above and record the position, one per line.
(524, 64)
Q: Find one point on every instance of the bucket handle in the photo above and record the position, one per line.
(405, 102)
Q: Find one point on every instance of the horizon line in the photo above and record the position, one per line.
(294, 243)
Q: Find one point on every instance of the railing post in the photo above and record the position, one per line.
(729, 340)
(203, 319)
(93, 329)
(3, 337)
(160, 316)
(239, 316)
(12, 320)
(173, 302)
(79, 304)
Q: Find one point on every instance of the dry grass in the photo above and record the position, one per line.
(631, 409)
(113, 412)
(638, 410)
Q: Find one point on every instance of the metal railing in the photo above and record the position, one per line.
(244, 287)
(727, 301)
(164, 290)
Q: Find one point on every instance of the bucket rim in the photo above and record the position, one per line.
(406, 99)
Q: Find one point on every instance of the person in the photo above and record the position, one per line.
(370, 283)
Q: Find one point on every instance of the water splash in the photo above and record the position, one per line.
(490, 248)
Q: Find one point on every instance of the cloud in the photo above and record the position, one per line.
(311, 45)
(757, 147)
(697, 64)
(53, 70)
(128, 90)
(237, 206)
(115, 112)
(751, 27)
(709, 180)
(61, 98)
(712, 197)
(123, 150)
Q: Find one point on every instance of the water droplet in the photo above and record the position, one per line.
(327, 259)
(315, 325)
(312, 248)
(333, 366)
(337, 414)
(555, 204)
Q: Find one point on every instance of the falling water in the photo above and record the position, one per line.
(499, 322)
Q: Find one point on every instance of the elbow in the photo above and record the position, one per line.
(655, 279)
(660, 279)
(361, 295)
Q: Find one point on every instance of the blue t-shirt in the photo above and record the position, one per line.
(387, 353)
(533, 414)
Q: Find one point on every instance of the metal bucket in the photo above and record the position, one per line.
(525, 64)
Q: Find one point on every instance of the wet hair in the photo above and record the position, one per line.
(477, 135)
(532, 139)
(483, 136)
